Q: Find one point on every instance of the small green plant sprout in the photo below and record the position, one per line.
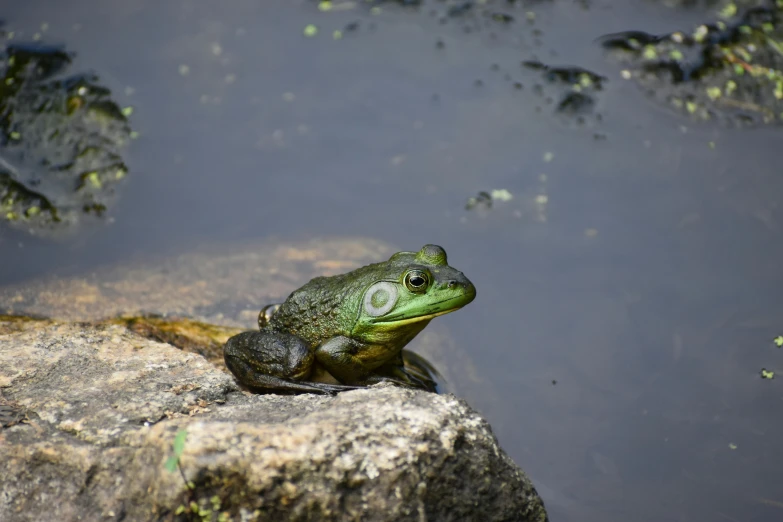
(767, 374)
(778, 341)
(177, 447)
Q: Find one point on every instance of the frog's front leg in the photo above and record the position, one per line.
(411, 369)
(338, 356)
(274, 361)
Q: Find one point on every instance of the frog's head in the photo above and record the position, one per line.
(407, 291)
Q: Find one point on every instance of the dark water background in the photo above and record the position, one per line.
(620, 326)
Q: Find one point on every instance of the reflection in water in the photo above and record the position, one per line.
(617, 343)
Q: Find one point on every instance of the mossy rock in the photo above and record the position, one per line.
(728, 70)
(62, 140)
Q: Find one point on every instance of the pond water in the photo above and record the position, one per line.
(628, 293)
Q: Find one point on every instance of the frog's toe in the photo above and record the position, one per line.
(261, 383)
(335, 388)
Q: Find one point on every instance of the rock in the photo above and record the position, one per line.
(96, 410)
(205, 339)
(62, 140)
(573, 90)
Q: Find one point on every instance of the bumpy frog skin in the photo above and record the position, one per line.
(353, 326)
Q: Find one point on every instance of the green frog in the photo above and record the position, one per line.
(352, 326)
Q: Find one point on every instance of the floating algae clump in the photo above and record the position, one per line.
(729, 70)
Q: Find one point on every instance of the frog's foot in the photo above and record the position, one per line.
(401, 376)
(420, 368)
(262, 383)
(410, 382)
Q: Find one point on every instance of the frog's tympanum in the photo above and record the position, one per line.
(352, 326)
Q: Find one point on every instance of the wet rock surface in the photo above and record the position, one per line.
(97, 409)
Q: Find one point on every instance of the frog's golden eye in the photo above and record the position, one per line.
(416, 281)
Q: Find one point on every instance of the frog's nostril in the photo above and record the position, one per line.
(452, 283)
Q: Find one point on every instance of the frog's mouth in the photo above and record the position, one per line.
(433, 310)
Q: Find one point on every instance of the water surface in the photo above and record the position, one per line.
(621, 322)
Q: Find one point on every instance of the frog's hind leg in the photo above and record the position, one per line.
(274, 362)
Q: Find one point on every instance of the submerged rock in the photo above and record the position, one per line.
(572, 90)
(728, 70)
(61, 141)
(96, 411)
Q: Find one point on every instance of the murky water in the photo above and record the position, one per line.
(628, 293)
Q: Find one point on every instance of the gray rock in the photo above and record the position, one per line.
(97, 409)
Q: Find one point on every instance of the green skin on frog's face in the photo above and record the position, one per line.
(352, 325)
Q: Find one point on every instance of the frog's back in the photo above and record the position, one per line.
(325, 307)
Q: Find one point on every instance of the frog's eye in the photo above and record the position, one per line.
(416, 281)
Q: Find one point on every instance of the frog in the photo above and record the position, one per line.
(352, 326)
